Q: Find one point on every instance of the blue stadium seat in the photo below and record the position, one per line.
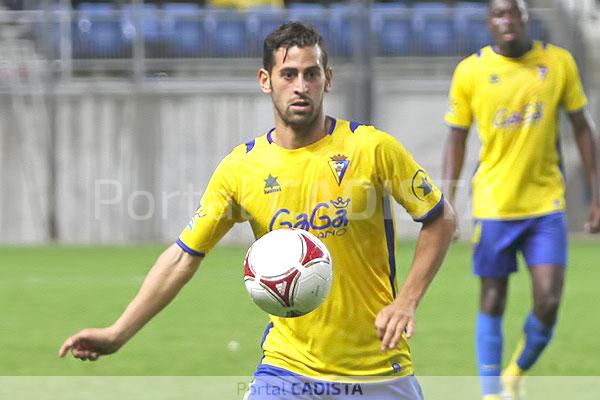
(14, 4)
(184, 30)
(537, 30)
(48, 35)
(98, 32)
(341, 29)
(433, 27)
(229, 33)
(313, 13)
(261, 21)
(470, 24)
(391, 25)
(150, 28)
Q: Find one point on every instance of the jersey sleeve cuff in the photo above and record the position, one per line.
(458, 126)
(576, 109)
(434, 212)
(185, 248)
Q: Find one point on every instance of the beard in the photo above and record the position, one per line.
(299, 121)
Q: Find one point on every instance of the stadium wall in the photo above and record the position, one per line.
(119, 162)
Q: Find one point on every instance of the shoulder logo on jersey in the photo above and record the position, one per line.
(494, 79)
(339, 164)
(421, 187)
(452, 104)
(197, 215)
(271, 184)
(543, 71)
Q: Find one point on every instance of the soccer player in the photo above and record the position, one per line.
(514, 90)
(334, 178)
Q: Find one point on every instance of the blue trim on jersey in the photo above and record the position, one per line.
(561, 165)
(473, 176)
(354, 125)
(188, 250)
(250, 145)
(434, 212)
(332, 126)
(267, 330)
(464, 128)
(390, 239)
(478, 53)
(269, 137)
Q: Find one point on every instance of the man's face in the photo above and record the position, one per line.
(507, 21)
(297, 84)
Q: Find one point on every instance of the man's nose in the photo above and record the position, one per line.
(301, 85)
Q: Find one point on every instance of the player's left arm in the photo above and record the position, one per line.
(582, 128)
(432, 245)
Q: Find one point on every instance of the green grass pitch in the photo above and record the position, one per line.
(48, 293)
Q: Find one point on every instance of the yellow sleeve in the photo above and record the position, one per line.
(406, 180)
(459, 112)
(217, 213)
(573, 97)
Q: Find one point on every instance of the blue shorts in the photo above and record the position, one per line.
(272, 383)
(542, 240)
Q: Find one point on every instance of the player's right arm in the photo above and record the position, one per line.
(454, 157)
(171, 271)
(574, 101)
(458, 117)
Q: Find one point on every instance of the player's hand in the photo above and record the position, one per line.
(593, 223)
(89, 344)
(393, 320)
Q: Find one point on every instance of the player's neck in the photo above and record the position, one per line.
(513, 49)
(294, 137)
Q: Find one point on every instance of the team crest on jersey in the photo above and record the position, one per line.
(494, 79)
(421, 187)
(271, 184)
(543, 71)
(339, 164)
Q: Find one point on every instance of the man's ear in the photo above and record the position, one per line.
(328, 78)
(264, 80)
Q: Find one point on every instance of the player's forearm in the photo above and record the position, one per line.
(172, 270)
(587, 149)
(454, 156)
(431, 248)
(584, 137)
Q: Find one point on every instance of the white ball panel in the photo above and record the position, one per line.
(276, 255)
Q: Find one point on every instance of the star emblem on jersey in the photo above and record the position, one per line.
(425, 186)
(339, 164)
(271, 184)
(421, 187)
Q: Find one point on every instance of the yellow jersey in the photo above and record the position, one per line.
(339, 189)
(515, 103)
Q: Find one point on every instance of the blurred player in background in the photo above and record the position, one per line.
(514, 90)
(334, 178)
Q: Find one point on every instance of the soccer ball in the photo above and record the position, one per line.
(288, 272)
